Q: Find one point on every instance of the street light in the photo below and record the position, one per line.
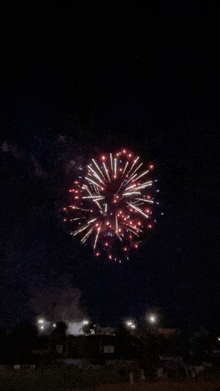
(43, 324)
(152, 318)
(130, 324)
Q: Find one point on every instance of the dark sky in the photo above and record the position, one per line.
(83, 79)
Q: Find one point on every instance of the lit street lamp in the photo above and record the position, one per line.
(43, 324)
(152, 319)
(130, 324)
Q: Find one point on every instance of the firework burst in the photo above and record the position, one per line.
(111, 206)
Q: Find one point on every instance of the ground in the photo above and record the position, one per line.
(160, 386)
(73, 379)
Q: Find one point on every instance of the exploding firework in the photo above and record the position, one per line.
(111, 206)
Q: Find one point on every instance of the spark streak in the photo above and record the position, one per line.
(90, 180)
(96, 238)
(138, 209)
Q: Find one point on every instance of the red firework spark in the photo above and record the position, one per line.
(111, 207)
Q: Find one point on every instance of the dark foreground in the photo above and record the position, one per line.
(160, 386)
(73, 379)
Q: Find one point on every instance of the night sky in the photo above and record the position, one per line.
(82, 80)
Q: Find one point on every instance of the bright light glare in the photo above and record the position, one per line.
(152, 318)
(130, 324)
(43, 324)
(85, 321)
